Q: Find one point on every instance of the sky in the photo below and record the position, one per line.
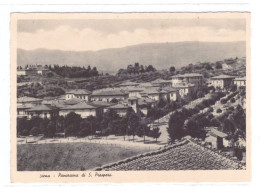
(97, 34)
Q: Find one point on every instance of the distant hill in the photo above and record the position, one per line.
(160, 55)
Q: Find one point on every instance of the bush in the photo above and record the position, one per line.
(232, 100)
(34, 131)
(223, 101)
(219, 111)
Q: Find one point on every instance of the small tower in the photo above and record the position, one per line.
(133, 102)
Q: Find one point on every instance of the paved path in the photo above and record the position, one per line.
(162, 122)
(111, 140)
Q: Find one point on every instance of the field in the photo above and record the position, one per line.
(69, 157)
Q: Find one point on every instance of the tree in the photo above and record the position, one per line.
(21, 125)
(72, 124)
(219, 111)
(50, 130)
(200, 94)
(175, 126)
(218, 66)
(133, 124)
(232, 100)
(85, 128)
(172, 69)
(155, 133)
(114, 100)
(34, 131)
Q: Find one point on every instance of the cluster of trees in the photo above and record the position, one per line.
(75, 71)
(189, 122)
(136, 69)
(73, 125)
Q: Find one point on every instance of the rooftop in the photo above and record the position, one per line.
(26, 99)
(109, 92)
(73, 101)
(185, 155)
(118, 106)
(217, 133)
(79, 92)
(42, 108)
(241, 78)
(187, 75)
(223, 76)
(82, 105)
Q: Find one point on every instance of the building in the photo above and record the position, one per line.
(108, 94)
(217, 139)
(173, 93)
(42, 111)
(28, 100)
(83, 109)
(144, 104)
(22, 110)
(21, 72)
(192, 78)
(135, 92)
(155, 94)
(79, 94)
(120, 109)
(222, 81)
(184, 89)
(241, 81)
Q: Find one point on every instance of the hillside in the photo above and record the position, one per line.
(160, 55)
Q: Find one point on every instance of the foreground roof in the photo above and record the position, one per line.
(185, 155)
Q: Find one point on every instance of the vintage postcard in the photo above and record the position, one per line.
(130, 97)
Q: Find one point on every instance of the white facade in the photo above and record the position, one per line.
(217, 83)
(240, 83)
(173, 96)
(106, 98)
(21, 72)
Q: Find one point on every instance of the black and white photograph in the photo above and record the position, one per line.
(130, 92)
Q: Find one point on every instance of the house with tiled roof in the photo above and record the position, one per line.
(222, 81)
(241, 81)
(173, 93)
(109, 94)
(83, 109)
(79, 94)
(217, 139)
(189, 78)
(155, 94)
(42, 111)
(184, 88)
(21, 110)
(121, 109)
